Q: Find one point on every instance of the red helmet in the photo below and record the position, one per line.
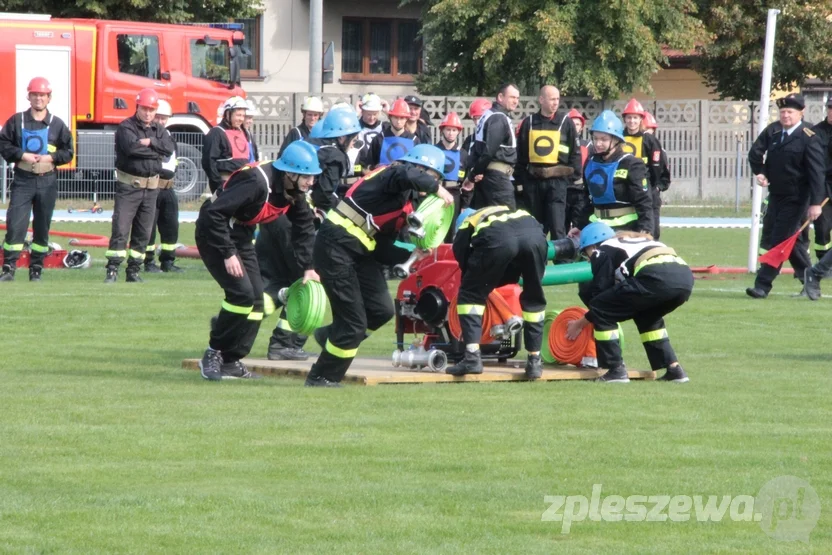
(400, 109)
(649, 121)
(633, 107)
(39, 85)
(451, 120)
(478, 107)
(575, 114)
(148, 98)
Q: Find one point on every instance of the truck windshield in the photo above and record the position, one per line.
(210, 61)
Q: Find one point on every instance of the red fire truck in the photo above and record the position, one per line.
(96, 67)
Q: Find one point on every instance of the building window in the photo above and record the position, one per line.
(380, 49)
(138, 55)
(250, 67)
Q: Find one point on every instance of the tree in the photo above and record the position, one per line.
(594, 47)
(732, 61)
(171, 11)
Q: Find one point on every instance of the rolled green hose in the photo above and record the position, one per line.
(562, 274)
(306, 306)
(545, 352)
(436, 221)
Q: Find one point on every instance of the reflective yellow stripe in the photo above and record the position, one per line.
(621, 173)
(15, 247)
(150, 248)
(168, 246)
(470, 309)
(114, 254)
(284, 325)
(256, 316)
(611, 335)
(653, 335)
(352, 229)
(38, 248)
(615, 222)
(475, 218)
(136, 254)
(268, 304)
(338, 352)
(826, 247)
(501, 218)
(534, 316)
(227, 306)
(563, 148)
(661, 259)
(761, 250)
(461, 174)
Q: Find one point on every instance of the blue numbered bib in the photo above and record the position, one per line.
(451, 165)
(393, 148)
(599, 180)
(35, 142)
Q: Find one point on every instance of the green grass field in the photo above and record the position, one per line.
(108, 446)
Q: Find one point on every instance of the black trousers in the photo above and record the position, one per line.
(462, 199)
(823, 231)
(242, 309)
(279, 269)
(133, 216)
(577, 208)
(783, 218)
(657, 290)
(546, 200)
(657, 208)
(167, 220)
(500, 255)
(495, 189)
(358, 297)
(30, 194)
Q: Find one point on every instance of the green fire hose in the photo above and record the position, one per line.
(436, 222)
(306, 306)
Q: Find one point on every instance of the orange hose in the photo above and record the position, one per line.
(495, 308)
(571, 352)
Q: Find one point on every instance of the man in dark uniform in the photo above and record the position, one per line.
(548, 161)
(497, 246)
(167, 210)
(226, 148)
(494, 153)
(823, 225)
(256, 194)
(417, 122)
(141, 145)
(312, 109)
(36, 142)
(787, 158)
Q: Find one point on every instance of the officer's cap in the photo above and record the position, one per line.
(413, 100)
(794, 100)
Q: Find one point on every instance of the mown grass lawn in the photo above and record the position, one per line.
(108, 446)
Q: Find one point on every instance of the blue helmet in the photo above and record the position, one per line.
(428, 156)
(336, 123)
(594, 233)
(299, 157)
(607, 122)
(462, 216)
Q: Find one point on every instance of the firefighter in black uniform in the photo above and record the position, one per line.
(36, 142)
(616, 182)
(333, 137)
(823, 225)
(141, 145)
(226, 148)
(633, 278)
(787, 158)
(167, 210)
(368, 109)
(456, 160)
(647, 147)
(257, 193)
(576, 199)
(417, 121)
(394, 141)
(497, 246)
(475, 111)
(651, 126)
(494, 153)
(548, 161)
(354, 242)
(248, 128)
(312, 109)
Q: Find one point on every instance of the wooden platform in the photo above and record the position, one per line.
(376, 371)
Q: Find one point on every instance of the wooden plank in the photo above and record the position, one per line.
(375, 371)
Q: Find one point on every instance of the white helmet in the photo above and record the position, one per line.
(251, 108)
(312, 104)
(164, 108)
(371, 102)
(234, 103)
(76, 259)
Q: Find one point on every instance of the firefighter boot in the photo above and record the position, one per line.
(534, 370)
(471, 364)
(133, 274)
(169, 266)
(8, 273)
(112, 274)
(35, 273)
